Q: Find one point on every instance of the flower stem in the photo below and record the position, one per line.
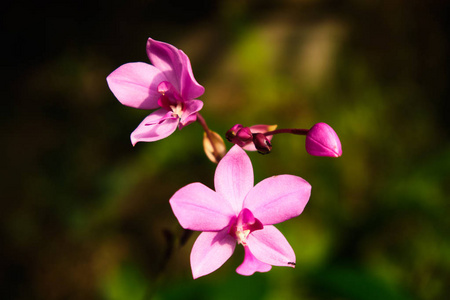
(287, 130)
(202, 122)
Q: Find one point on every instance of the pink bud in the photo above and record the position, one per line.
(244, 134)
(239, 135)
(262, 143)
(322, 140)
(233, 130)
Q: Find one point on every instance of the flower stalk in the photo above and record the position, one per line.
(213, 144)
(287, 130)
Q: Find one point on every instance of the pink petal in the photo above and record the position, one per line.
(135, 85)
(278, 198)
(249, 147)
(190, 89)
(197, 207)
(176, 66)
(262, 128)
(155, 126)
(271, 247)
(190, 113)
(251, 265)
(210, 251)
(166, 58)
(234, 177)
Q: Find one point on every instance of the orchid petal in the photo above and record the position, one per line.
(190, 113)
(234, 177)
(135, 85)
(190, 88)
(262, 128)
(176, 66)
(199, 208)
(278, 198)
(156, 126)
(166, 58)
(251, 265)
(250, 146)
(158, 116)
(271, 247)
(210, 251)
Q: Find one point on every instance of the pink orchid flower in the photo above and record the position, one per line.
(168, 86)
(239, 212)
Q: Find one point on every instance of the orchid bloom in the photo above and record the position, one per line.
(239, 212)
(168, 86)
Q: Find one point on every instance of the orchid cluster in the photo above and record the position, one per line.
(237, 211)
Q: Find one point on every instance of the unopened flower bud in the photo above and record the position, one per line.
(261, 128)
(262, 143)
(239, 135)
(244, 134)
(214, 146)
(322, 140)
(231, 133)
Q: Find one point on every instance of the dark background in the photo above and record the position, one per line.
(86, 216)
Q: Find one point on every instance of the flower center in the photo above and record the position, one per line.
(243, 225)
(177, 110)
(241, 235)
(170, 99)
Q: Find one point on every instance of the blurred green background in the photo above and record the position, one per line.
(86, 216)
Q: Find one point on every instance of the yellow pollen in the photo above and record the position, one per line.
(177, 111)
(242, 236)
